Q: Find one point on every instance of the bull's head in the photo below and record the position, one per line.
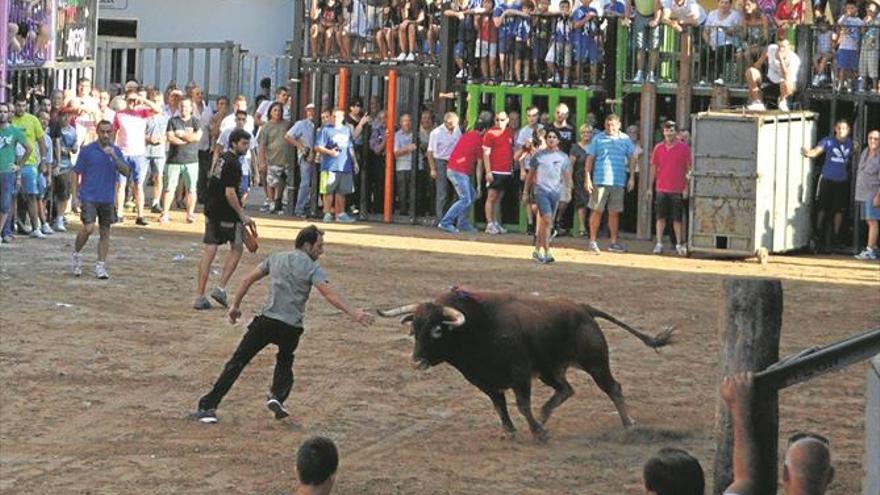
(431, 325)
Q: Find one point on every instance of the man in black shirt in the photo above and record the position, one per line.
(566, 140)
(225, 219)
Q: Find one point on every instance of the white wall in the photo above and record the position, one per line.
(261, 26)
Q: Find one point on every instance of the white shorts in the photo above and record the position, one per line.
(485, 49)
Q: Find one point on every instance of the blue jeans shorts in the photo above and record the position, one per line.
(546, 201)
(29, 181)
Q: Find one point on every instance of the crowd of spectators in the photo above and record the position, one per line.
(338, 162)
(563, 41)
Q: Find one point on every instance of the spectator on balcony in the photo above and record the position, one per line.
(353, 30)
(504, 24)
(390, 25)
(870, 53)
(486, 48)
(584, 21)
(832, 195)
(789, 13)
(465, 33)
(433, 18)
(646, 19)
(559, 52)
(719, 33)
(849, 32)
(819, 7)
(824, 51)
(326, 19)
(680, 14)
(754, 34)
(440, 145)
(868, 193)
(521, 31)
(412, 15)
(781, 76)
(541, 28)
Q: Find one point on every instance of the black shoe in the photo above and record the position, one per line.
(276, 407)
(156, 209)
(140, 221)
(530, 229)
(207, 416)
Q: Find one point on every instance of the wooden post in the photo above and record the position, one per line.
(872, 429)
(390, 123)
(683, 100)
(648, 106)
(720, 98)
(751, 323)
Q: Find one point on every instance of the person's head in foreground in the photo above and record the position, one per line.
(316, 463)
(673, 472)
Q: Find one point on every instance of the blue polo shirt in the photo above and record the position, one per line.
(611, 154)
(98, 172)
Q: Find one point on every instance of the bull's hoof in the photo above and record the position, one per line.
(541, 436)
(508, 435)
(628, 423)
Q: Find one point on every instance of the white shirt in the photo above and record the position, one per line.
(263, 110)
(441, 142)
(774, 68)
(715, 27)
(228, 122)
(204, 116)
(688, 10)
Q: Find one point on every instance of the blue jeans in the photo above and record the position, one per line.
(7, 196)
(305, 186)
(440, 185)
(457, 214)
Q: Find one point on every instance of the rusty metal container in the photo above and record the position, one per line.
(750, 186)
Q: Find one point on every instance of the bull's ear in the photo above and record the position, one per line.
(406, 319)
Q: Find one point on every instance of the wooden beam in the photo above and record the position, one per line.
(751, 324)
(647, 116)
(683, 101)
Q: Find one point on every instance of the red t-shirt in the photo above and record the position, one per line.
(488, 31)
(672, 165)
(501, 144)
(795, 12)
(467, 151)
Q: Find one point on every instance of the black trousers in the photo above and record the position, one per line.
(262, 331)
(204, 169)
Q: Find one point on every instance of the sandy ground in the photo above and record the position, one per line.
(96, 377)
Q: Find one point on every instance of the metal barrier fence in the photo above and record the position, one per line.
(214, 66)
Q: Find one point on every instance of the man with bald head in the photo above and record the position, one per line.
(807, 469)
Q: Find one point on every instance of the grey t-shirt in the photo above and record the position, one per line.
(549, 167)
(291, 275)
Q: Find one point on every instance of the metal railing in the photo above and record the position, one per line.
(214, 66)
(829, 69)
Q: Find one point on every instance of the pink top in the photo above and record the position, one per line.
(131, 130)
(672, 164)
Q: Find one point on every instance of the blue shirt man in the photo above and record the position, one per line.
(612, 153)
(837, 155)
(98, 172)
(339, 138)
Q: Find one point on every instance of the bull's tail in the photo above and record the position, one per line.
(655, 342)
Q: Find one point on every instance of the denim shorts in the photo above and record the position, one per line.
(29, 182)
(847, 59)
(871, 212)
(547, 201)
(7, 191)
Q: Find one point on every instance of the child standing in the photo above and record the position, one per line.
(849, 33)
(559, 52)
(824, 50)
(870, 53)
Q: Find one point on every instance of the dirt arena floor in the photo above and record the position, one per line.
(96, 377)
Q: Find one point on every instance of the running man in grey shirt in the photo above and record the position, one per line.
(292, 275)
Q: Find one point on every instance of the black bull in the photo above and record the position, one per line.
(499, 340)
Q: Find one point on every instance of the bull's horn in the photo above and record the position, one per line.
(401, 310)
(453, 317)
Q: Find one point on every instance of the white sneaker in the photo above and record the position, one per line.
(658, 248)
(681, 250)
(409, 58)
(867, 254)
(460, 74)
(401, 57)
(45, 229)
(101, 271)
(500, 228)
(491, 229)
(783, 106)
(37, 234)
(756, 106)
(58, 225)
(594, 247)
(76, 261)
